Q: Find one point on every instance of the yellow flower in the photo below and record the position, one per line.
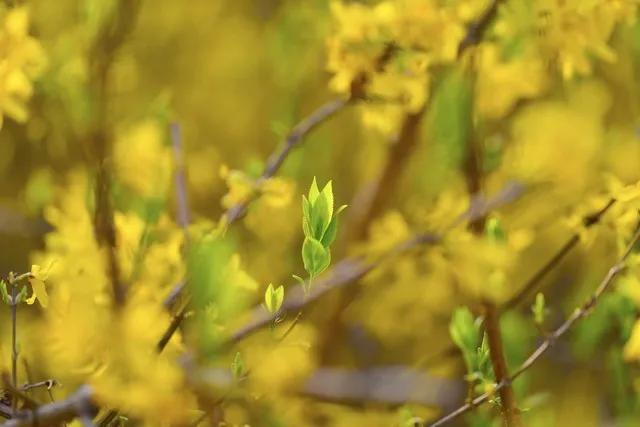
(632, 347)
(501, 83)
(143, 162)
(22, 60)
(276, 191)
(241, 187)
(36, 279)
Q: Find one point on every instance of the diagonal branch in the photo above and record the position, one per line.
(319, 116)
(577, 314)
(534, 281)
(57, 412)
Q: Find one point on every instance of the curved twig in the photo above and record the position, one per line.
(577, 314)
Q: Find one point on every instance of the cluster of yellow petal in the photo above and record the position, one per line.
(390, 47)
(143, 161)
(22, 59)
(276, 191)
(546, 134)
(86, 339)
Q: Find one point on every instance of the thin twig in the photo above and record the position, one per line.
(478, 28)
(14, 346)
(551, 338)
(55, 413)
(48, 384)
(534, 281)
(291, 326)
(296, 135)
(173, 327)
(101, 58)
(531, 285)
(182, 196)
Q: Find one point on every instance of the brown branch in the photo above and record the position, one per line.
(101, 57)
(180, 179)
(532, 284)
(477, 29)
(509, 407)
(550, 339)
(387, 385)
(293, 139)
(57, 412)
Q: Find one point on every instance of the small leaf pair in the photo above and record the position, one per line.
(465, 332)
(273, 298)
(320, 226)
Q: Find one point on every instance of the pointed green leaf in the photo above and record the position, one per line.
(273, 298)
(315, 257)
(340, 209)
(313, 191)
(299, 280)
(306, 217)
(539, 309)
(331, 231)
(237, 367)
(327, 192)
(320, 218)
(330, 234)
(3, 290)
(465, 334)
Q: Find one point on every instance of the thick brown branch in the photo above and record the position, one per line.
(577, 314)
(102, 55)
(509, 408)
(57, 412)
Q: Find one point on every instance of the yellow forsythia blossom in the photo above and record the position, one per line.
(143, 162)
(21, 61)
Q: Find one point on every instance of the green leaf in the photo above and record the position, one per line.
(237, 367)
(300, 280)
(208, 269)
(316, 258)
(320, 217)
(330, 234)
(306, 217)
(327, 192)
(494, 230)
(331, 231)
(273, 298)
(539, 310)
(466, 335)
(3, 290)
(313, 191)
(22, 295)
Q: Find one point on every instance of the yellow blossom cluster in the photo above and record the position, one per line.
(22, 60)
